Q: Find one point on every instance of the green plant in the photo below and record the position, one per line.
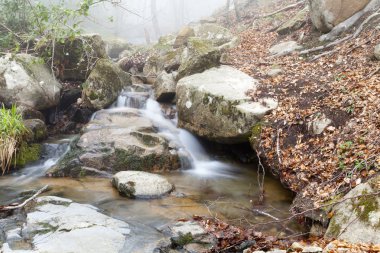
(12, 132)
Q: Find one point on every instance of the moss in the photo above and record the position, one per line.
(27, 154)
(182, 240)
(254, 139)
(334, 229)
(364, 206)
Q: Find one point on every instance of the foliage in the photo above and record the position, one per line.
(12, 132)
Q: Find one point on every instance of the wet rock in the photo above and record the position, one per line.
(138, 184)
(60, 225)
(295, 23)
(75, 58)
(104, 84)
(357, 219)
(165, 87)
(26, 80)
(30, 113)
(79, 115)
(199, 56)
(69, 97)
(377, 52)
(215, 105)
(284, 48)
(326, 14)
(117, 140)
(183, 35)
(37, 130)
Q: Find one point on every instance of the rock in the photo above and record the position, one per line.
(104, 84)
(115, 46)
(274, 72)
(117, 140)
(29, 113)
(277, 251)
(139, 184)
(284, 48)
(69, 97)
(357, 219)
(75, 58)
(208, 20)
(199, 56)
(79, 115)
(312, 249)
(217, 34)
(56, 224)
(326, 14)
(164, 87)
(214, 105)
(296, 246)
(317, 230)
(377, 52)
(183, 36)
(25, 80)
(319, 124)
(37, 128)
(295, 23)
(27, 153)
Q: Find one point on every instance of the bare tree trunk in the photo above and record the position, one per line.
(156, 26)
(147, 36)
(228, 12)
(237, 11)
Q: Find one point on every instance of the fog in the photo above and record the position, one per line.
(133, 20)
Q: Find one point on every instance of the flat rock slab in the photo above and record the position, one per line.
(215, 105)
(138, 184)
(60, 225)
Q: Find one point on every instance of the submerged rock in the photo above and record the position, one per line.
(26, 80)
(117, 140)
(215, 105)
(357, 220)
(104, 84)
(56, 224)
(139, 184)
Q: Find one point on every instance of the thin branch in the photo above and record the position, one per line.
(291, 6)
(7, 208)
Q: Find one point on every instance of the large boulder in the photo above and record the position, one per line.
(25, 80)
(357, 220)
(326, 14)
(117, 140)
(74, 58)
(183, 35)
(54, 224)
(139, 184)
(295, 23)
(104, 84)
(165, 86)
(115, 46)
(215, 105)
(217, 34)
(199, 56)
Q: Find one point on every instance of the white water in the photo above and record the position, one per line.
(201, 163)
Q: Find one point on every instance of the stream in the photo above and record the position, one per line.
(213, 185)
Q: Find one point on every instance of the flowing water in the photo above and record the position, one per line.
(211, 186)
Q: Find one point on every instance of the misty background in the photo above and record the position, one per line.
(133, 19)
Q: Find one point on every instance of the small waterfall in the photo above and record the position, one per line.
(188, 146)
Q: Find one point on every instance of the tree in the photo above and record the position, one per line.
(156, 26)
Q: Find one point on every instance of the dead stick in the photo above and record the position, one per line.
(7, 208)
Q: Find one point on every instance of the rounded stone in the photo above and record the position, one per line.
(139, 184)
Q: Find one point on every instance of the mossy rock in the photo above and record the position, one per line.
(104, 84)
(27, 153)
(74, 58)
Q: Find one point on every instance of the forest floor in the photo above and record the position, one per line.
(344, 86)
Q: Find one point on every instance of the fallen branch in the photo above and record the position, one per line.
(291, 6)
(8, 208)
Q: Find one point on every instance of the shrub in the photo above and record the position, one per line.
(12, 133)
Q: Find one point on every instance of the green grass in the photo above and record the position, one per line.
(12, 132)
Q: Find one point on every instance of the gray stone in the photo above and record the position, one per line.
(326, 14)
(117, 140)
(138, 184)
(277, 251)
(297, 246)
(357, 219)
(215, 33)
(165, 87)
(115, 46)
(312, 249)
(284, 48)
(274, 72)
(319, 124)
(377, 52)
(25, 80)
(295, 23)
(215, 105)
(104, 84)
(37, 130)
(183, 35)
